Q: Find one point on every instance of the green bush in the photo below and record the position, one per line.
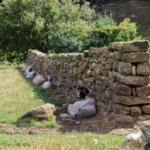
(56, 26)
(44, 25)
(106, 31)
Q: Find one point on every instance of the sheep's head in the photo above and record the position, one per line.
(34, 73)
(49, 77)
(132, 141)
(83, 93)
(31, 69)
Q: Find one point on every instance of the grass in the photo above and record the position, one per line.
(18, 97)
(58, 93)
(62, 96)
(81, 141)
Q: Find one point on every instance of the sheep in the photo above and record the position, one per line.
(83, 93)
(31, 74)
(24, 68)
(50, 83)
(38, 79)
(82, 109)
(133, 141)
(29, 69)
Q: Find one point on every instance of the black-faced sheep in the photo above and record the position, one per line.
(83, 93)
(50, 83)
(82, 109)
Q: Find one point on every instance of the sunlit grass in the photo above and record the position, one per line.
(17, 96)
(78, 141)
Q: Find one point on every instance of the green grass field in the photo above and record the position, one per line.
(17, 97)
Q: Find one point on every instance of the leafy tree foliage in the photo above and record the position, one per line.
(106, 31)
(26, 24)
(56, 25)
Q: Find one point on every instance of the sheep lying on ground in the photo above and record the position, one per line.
(29, 69)
(38, 79)
(49, 84)
(24, 68)
(133, 141)
(83, 93)
(31, 74)
(82, 109)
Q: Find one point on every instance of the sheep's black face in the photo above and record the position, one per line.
(83, 93)
(30, 69)
(34, 74)
(49, 78)
(86, 91)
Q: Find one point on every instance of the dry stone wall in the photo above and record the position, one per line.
(118, 76)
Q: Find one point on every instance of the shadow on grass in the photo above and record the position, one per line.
(41, 93)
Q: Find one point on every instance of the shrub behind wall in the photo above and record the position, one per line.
(61, 27)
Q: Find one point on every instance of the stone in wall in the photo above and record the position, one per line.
(92, 51)
(143, 69)
(143, 91)
(119, 55)
(129, 100)
(123, 90)
(116, 46)
(133, 80)
(127, 47)
(146, 109)
(101, 50)
(135, 111)
(110, 106)
(136, 46)
(115, 65)
(134, 70)
(136, 57)
(124, 68)
(113, 86)
(121, 109)
(86, 53)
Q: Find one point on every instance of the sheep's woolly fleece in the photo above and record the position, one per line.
(38, 80)
(133, 141)
(82, 109)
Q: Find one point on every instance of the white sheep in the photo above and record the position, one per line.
(38, 79)
(24, 68)
(82, 109)
(28, 69)
(31, 74)
(133, 141)
(50, 83)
